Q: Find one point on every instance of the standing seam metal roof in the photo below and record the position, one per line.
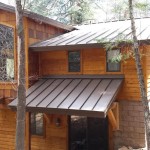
(89, 35)
(89, 96)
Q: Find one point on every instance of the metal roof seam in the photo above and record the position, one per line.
(91, 93)
(81, 38)
(69, 94)
(50, 92)
(79, 94)
(59, 92)
(36, 88)
(40, 92)
(114, 95)
(102, 94)
(118, 34)
(74, 38)
(97, 36)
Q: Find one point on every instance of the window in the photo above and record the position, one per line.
(37, 124)
(113, 66)
(6, 53)
(74, 61)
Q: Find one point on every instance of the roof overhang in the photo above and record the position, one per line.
(84, 95)
(66, 47)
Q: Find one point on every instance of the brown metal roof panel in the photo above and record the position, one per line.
(46, 92)
(65, 41)
(77, 91)
(35, 86)
(39, 90)
(31, 89)
(104, 36)
(63, 38)
(95, 36)
(61, 97)
(77, 40)
(109, 95)
(86, 93)
(55, 93)
(96, 95)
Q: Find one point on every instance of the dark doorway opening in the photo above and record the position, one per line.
(86, 133)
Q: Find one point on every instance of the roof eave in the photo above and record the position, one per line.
(66, 47)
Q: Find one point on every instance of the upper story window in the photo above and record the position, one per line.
(113, 66)
(6, 53)
(37, 124)
(74, 61)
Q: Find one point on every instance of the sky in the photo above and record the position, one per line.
(10, 2)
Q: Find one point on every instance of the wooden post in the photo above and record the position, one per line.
(113, 116)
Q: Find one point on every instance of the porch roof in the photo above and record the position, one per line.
(96, 35)
(86, 95)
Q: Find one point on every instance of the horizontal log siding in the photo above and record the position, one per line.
(7, 129)
(93, 62)
(46, 32)
(147, 69)
(55, 137)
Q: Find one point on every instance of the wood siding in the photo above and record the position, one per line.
(93, 61)
(7, 129)
(55, 137)
(37, 32)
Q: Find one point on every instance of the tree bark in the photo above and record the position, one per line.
(20, 127)
(140, 77)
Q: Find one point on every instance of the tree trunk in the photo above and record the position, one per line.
(140, 77)
(20, 128)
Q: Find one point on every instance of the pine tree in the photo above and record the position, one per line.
(140, 76)
(21, 94)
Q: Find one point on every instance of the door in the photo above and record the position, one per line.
(88, 133)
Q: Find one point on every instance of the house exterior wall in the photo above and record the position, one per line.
(52, 139)
(55, 138)
(93, 61)
(7, 129)
(131, 132)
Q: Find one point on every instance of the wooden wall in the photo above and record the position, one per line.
(93, 61)
(147, 69)
(52, 139)
(37, 32)
(7, 129)
(55, 137)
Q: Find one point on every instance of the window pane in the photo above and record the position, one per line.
(6, 53)
(74, 61)
(37, 123)
(112, 66)
(74, 67)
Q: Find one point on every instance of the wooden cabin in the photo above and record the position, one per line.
(76, 99)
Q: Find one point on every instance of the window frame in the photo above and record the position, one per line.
(68, 62)
(116, 71)
(15, 53)
(37, 135)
